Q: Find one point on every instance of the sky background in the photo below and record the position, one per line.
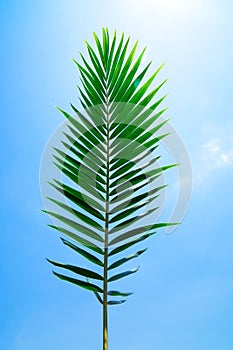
(184, 289)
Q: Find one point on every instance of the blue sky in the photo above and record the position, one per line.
(184, 289)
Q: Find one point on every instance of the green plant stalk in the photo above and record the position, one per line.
(105, 283)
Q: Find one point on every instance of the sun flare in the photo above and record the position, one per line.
(174, 8)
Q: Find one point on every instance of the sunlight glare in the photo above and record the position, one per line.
(171, 8)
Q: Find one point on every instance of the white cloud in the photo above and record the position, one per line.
(212, 146)
(225, 158)
(215, 155)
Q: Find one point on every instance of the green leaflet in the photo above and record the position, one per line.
(77, 270)
(129, 175)
(83, 241)
(79, 215)
(100, 49)
(140, 124)
(114, 75)
(89, 286)
(72, 175)
(98, 297)
(129, 234)
(123, 73)
(127, 212)
(94, 145)
(119, 162)
(76, 197)
(125, 246)
(114, 302)
(116, 110)
(85, 160)
(110, 58)
(116, 293)
(121, 170)
(131, 221)
(94, 96)
(136, 182)
(83, 252)
(94, 129)
(125, 86)
(89, 140)
(76, 226)
(81, 148)
(122, 274)
(96, 64)
(76, 167)
(91, 73)
(140, 93)
(136, 199)
(115, 59)
(105, 35)
(125, 260)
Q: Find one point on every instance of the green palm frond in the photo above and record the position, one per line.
(108, 160)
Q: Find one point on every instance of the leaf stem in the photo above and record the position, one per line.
(105, 283)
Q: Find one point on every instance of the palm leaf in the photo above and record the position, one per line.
(108, 157)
